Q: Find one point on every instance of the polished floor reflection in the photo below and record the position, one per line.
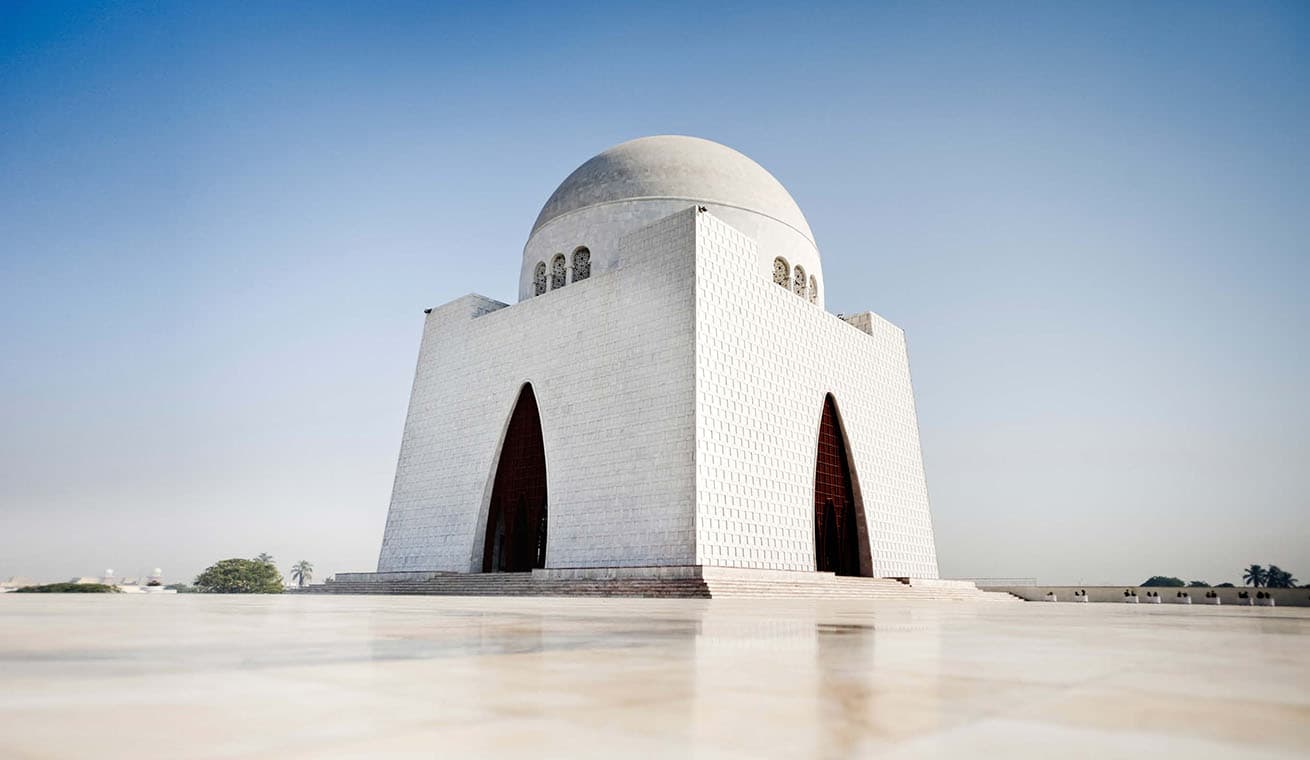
(337, 676)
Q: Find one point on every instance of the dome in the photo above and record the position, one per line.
(674, 168)
(584, 229)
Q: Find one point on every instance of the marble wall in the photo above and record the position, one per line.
(610, 362)
(680, 393)
(765, 360)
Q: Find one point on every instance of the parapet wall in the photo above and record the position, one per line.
(1283, 597)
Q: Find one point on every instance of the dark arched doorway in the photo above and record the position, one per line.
(836, 528)
(516, 518)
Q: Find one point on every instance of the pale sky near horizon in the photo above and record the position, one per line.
(220, 225)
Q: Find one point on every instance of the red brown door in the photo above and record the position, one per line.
(516, 519)
(836, 533)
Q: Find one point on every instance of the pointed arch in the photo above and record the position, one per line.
(515, 532)
(799, 284)
(841, 539)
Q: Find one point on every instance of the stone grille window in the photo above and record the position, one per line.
(814, 289)
(581, 264)
(559, 272)
(780, 271)
(539, 279)
(798, 285)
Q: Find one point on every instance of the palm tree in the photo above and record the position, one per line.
(1277, 577)
(1254, 576)
(302, 572)
(265, 557)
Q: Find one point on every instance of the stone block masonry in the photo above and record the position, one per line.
(680, 393)
(765, 360)
(610, 362)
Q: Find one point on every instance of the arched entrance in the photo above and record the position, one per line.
(837, 532)
(516, 517)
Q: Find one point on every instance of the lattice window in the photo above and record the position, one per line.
(814, 289)
(780, 271)
(539, 279)
(581, 264)
(798, 285)
(559, 272)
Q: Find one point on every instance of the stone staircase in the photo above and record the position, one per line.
(829, 586)
(702, 583)
(519, 584)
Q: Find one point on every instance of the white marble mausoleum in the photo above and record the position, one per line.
(668, 392)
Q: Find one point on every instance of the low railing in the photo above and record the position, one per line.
(999, 581)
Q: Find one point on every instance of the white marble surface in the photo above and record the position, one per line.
(322, 676)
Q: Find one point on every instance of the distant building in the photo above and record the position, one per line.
(154, 583)
(14, 583)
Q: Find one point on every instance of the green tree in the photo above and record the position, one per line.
(264, 557)
(1198, 584)
(1224, 585)
(240, 576)
(302, 572)
(69, 588)
(1254, 576)
(1277, 577)
(1163, 580)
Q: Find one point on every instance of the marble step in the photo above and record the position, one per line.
(505, 584)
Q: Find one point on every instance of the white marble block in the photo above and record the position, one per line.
(680, 368)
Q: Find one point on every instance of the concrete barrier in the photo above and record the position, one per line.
(1273, 597)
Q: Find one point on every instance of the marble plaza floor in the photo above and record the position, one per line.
(309, 676)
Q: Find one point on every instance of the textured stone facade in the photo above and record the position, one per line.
(602, 229)
(765, 360)
(680, 393)
(610, 363)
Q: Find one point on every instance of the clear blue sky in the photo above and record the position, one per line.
(220, 224)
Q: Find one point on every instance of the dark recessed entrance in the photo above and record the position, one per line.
(836, 532)
(516, 519)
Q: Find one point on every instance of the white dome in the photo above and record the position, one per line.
(580, 230)
(676, 168)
